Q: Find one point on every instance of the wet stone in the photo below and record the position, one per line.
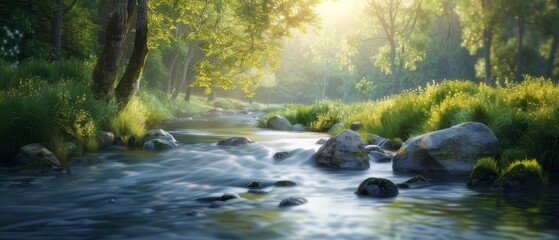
(293, 201)
(254, 184)
(194, 212)
(285, 183)
(216, 204)
(280, 155)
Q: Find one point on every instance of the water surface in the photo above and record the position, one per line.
(144, 195)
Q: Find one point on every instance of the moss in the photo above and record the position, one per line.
(254, 184)
(482, 176)
(377, 187)
(285, 183)
(521, 175)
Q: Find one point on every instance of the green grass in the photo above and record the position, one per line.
(528, 172)
(51, 103)
(488, 163)
(523, 116)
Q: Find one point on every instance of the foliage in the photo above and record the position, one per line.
(523, 116)
(52, 103)
(528, 173)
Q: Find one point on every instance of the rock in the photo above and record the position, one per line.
(385, 143)
(131, 143)
(235, 141)
(377, 187)
(321, 141)
(33, 155)
(521, 177)
(228, 196)
(281, 155)
(216, 112)
(158, 134)
(216, 204)
(379, 157)
(482, 177)
(256, 191)
(293, 201)
(375, 148)
(285, 183)
(417, 180)
(118, 142)
(338, 127)
(278, 123)
(298, 128)
(158, 144)
(454, 149)
(254, 184)
(104, 139)
(194, 212)
(356, 126)
(344, 151)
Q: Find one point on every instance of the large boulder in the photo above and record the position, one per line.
(454, 149)
(278, 123)
(157, 139)
(345, 151)
(35, 154)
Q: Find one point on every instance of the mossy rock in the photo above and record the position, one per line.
(521, 176)
(254, 184)
(412, 181)
(482, 177)
(377, 187)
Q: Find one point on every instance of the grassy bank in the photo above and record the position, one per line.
(51, 103)
(524, 116)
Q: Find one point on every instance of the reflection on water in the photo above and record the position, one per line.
(144, 195)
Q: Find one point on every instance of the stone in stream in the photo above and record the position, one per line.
(379, 157)
(158, 144)
(216, 204)
(285, 183)
(158, 134)
(281, 155)
(194, 212)
(35, 155)
(356, 126)
(345, 151)
(104, 139)
(450, 150)
(235, 141)
(377, 187)
(298, 128)
(414, 181)
(278, 123)
(254, 184)
(219, 197)
(292, 201)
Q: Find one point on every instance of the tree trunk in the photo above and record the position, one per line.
(520, 40)
(171, 68)
(105, 70)
(57, 29)
(130, 81)
(393, 71)
(324, 83)
(551, 57)
(189, 56)
(487, 39)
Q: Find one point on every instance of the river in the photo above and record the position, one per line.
(145, 195)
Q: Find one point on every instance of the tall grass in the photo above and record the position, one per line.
(51, 103)
(523, 116)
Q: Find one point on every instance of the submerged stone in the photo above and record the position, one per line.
(235, 141)
(194, 212)
(285, 183)
(293, 201)
(377, 187)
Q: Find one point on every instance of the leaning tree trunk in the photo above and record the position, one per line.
(130, 81)
(189, 56)
(105, 70)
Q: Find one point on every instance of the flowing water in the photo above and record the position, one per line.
(145, 195)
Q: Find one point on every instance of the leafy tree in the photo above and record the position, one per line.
(105, 70)
(401, 25)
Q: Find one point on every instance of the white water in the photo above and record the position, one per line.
(144, 195)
